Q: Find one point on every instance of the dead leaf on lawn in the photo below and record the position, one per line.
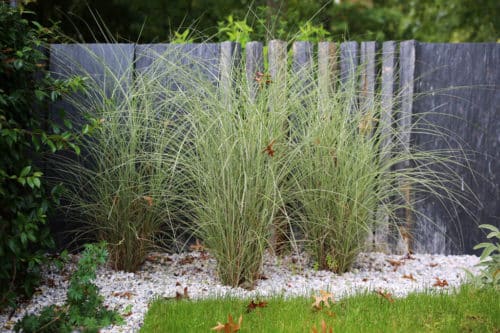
(252, 306)
(323, 298)
(230, 326)
(386, 295)
(324, 329)
(181, 295)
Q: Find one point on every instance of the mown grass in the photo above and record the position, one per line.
(468, 310)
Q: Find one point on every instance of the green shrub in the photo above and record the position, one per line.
(25, 137)
(84, 309)
(490, 259)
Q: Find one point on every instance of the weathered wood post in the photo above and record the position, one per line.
(254, 64)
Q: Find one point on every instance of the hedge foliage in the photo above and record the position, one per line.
(26, 137)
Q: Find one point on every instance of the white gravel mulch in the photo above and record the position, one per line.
(162, 275)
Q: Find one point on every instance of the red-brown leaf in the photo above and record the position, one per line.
(409, 277)
(230, 326)
(440, 283)
(386, 295)
(252, 306)
(269, 149)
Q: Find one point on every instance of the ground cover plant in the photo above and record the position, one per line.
(466, 309)
(84, 309)
(490, 259)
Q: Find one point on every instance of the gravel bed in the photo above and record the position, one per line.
(164, 275)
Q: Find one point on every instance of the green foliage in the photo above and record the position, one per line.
(25, 137)
(490, 259)
(182, 38)
(84, 309)
(153, 20)
(235, 30)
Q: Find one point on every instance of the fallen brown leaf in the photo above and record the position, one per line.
(148, 199)
(252, 306)
(386, 295)
(440, 283)
(269, 149)
(197, 247)
(126, 294)
(324, 329)
(409, 277)
(395, 263)
(186, 260)
(325, 296)
(230, 326)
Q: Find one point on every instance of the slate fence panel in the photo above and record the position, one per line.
(458, 83)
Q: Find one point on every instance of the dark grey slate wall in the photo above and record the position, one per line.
(460, 84)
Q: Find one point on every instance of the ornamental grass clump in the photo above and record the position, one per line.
(122, 191)
(234, 164)
(351, 172)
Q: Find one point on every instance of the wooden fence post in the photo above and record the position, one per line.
(254, 63)
(348, 66)
(404, 124)
(327, 67)
(230, 58)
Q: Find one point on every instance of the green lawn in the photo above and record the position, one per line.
(468, 310)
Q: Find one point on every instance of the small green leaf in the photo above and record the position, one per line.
(40, 95)
(25, 171)
(18, 64)
(36, 182)
(22, 180)
(489, 227)
(29, 180)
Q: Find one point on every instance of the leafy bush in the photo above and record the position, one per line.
(25, 137)
(490, 259)
(84, 309)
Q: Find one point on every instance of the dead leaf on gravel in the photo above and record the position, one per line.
(186, 260)
(198, 246)
(409, 277)
(395, 263)
(126, 294)
(440, 283)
